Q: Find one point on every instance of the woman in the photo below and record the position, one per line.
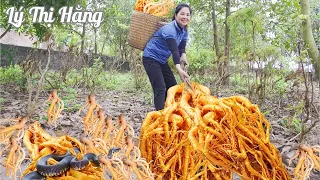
(169, 40)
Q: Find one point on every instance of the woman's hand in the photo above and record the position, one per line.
(183, 59)
(183, 75)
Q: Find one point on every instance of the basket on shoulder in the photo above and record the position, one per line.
(147, 18)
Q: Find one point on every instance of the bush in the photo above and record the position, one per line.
(12, 75)
(200, 60)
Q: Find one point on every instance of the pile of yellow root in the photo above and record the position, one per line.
(101, 137)
(309, 158)
(39, 144)
(198, 136)
(104, 135)
(10, 140)
(156, 8)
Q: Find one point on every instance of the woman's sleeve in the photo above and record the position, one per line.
(174, 50)
(182, 47)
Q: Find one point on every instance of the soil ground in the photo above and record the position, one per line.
(133, 105)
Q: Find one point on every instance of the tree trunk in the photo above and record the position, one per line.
(216, 38)
(307, 35)
(227, 47)
(95, 43)
(82, 37)
(253, 40)
(103, 44)
(215, 30)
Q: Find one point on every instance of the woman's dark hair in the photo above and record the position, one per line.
(178, 8)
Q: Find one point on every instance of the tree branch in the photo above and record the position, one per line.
(6, 31)
(70, 29)
(312, 126)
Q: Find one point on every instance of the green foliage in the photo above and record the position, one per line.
(200, 60)
(98, 78)
(281, 86)
(64, 37)
(12, 75)
(119, 81)
(115, 28)
(294, 121)
(7, 53)
(283, 23)
(246, 28)
(69, 99)
(36, 29)
(139, 76)
(303, 17)
(92, 74)
(294, 124)
(71, 93)
(94, 78)
(268, 52)
(148, 96)
(204, 79)
(239, 83)
(2, 100)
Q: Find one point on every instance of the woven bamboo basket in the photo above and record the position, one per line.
(142, 28)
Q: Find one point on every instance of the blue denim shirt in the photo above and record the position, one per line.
(157, 48)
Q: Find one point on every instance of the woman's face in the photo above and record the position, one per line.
(183, 17)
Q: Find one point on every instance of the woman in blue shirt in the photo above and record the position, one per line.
(169, 40)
